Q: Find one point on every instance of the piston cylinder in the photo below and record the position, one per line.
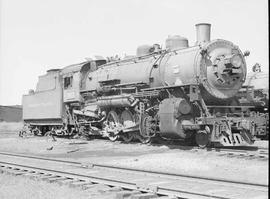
(173, 114)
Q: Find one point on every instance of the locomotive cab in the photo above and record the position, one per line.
(74, 78)
(71, 82)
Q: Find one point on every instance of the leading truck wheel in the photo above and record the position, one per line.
(247, 137)
(202, 139)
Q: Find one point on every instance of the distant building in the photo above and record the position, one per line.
(10, 113)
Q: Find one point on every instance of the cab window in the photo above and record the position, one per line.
(68, 82)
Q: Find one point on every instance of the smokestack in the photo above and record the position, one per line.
(203, 32)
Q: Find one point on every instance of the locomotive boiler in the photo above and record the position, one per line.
(217, 66)
(180, 92)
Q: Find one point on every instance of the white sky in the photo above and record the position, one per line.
(37, 35)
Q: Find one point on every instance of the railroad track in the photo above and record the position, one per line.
(259, 154)
(127, 182)
(248, 152)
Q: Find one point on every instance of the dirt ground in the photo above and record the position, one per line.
(136, 155)
(42, 190)
(9, 128)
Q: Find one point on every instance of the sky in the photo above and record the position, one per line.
(37, 35)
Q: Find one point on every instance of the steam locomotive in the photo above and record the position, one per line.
(180, 92)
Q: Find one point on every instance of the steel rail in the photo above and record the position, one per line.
(216, 149)
(219, 149)
(176, 175)
(39, 157)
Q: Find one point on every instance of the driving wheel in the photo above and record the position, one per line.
(112, 125)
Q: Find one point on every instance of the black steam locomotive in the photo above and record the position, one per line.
(180, 92)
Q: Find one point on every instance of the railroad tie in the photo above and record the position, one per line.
(99, 187)
(79, 183)
(114, 189)
(263, 158)
(168, 197)
(251, 156)
(33, 175)
(88, 186)
(5, 169)
(147, 186)
(230, 155)
(125, 194)
(241, 155)
(17, 173)
(39, 176)
(144, 196)
(66, 182)
(55, 179)
(44, 177)
(13, 171)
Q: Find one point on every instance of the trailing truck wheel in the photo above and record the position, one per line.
(112, 122)
(48, 133)
(202, 139)
(22, 133)
(36, 131)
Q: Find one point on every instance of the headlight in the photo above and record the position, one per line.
(236, 61)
